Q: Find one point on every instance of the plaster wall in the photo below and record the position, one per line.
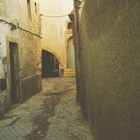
(108, 63)
(2, 7)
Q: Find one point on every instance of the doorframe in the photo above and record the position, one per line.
(68, 37)
(13, 40)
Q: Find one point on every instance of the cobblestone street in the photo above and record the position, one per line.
(52, 114)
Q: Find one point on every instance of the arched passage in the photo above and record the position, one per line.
(70, 54)
(50, 65)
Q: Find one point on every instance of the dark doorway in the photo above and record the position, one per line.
(14, 72)
(50, 65)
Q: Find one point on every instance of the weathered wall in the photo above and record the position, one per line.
(54, 27)
(26, 33)
(110, 68)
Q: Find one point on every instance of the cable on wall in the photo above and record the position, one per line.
(13, 27)
(56, 16)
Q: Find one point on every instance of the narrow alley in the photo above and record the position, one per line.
(69, 69)
(52, 114)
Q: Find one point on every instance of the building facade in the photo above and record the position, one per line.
(20, 53)
(56, 35)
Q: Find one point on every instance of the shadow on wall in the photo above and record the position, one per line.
(50, 65)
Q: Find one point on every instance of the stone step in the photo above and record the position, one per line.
(69, 73)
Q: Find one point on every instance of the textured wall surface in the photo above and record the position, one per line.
(26, 34)
(109, 67)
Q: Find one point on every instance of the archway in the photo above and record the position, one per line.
(70, 54)
(50, 65)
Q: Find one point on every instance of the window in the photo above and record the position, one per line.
(70, 25)
(35, 7)
(29, 9)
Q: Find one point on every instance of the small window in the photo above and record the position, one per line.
(29, 9)
(36, 8)
(70, 25)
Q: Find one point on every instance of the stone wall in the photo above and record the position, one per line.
(108, 62)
